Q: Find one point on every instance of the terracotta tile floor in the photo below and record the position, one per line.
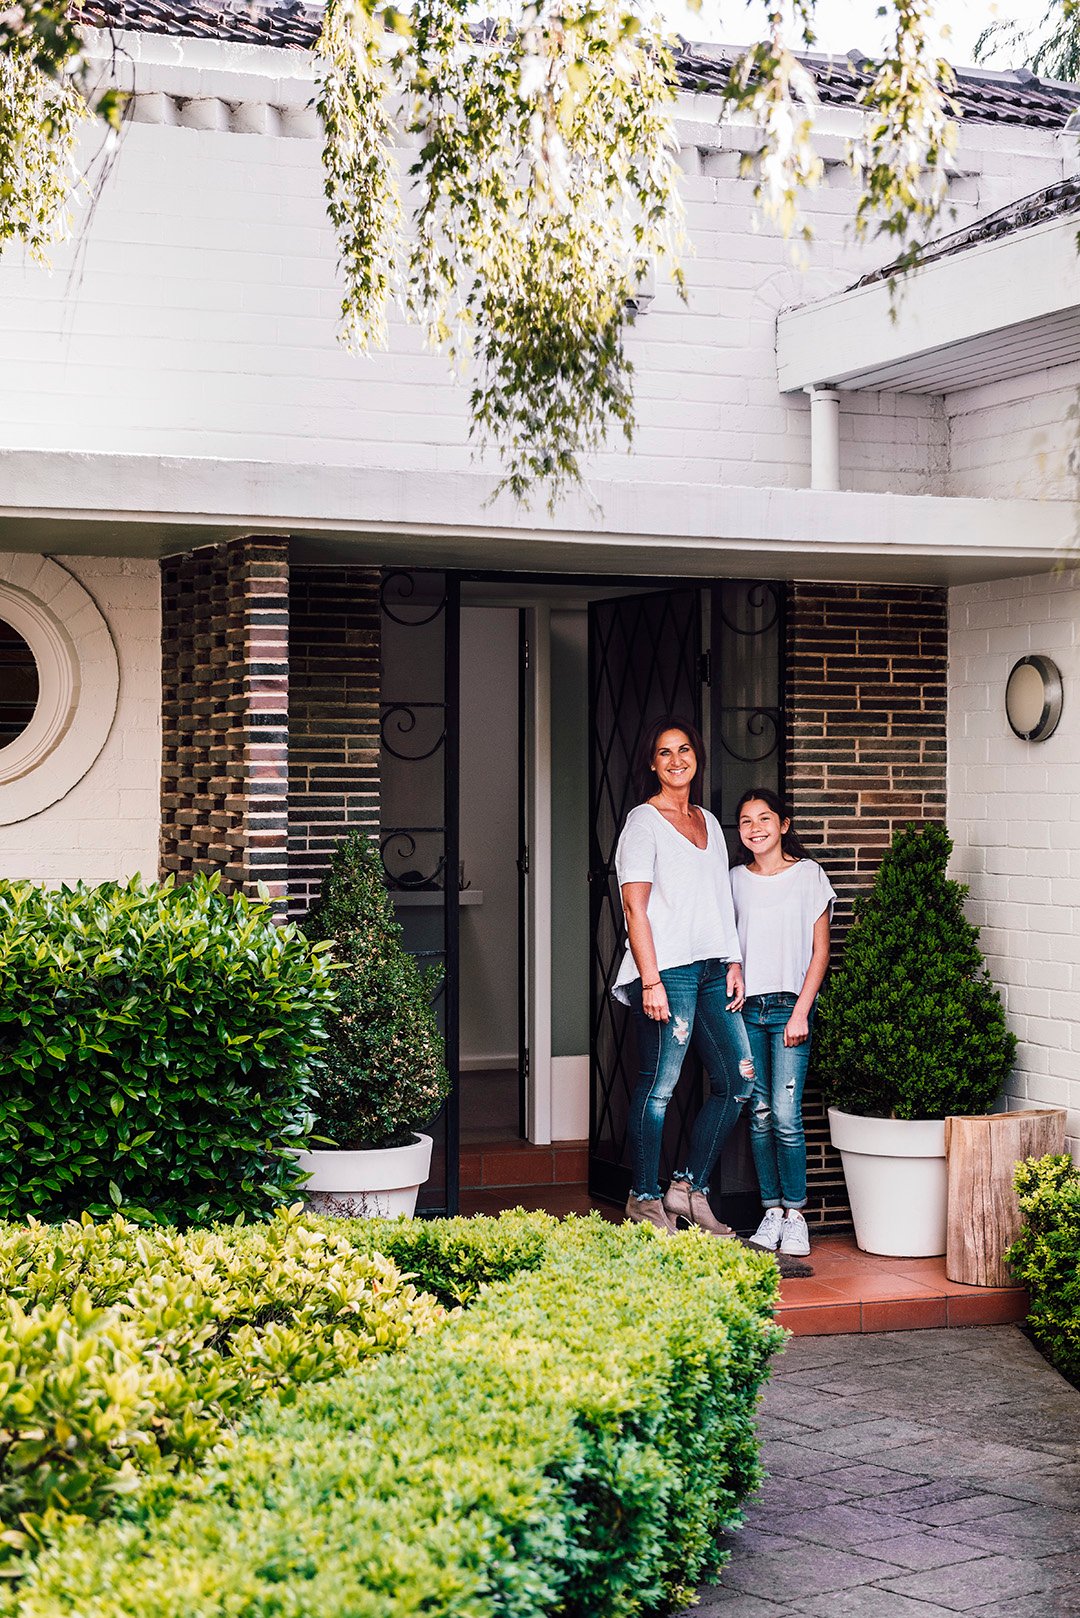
(850, 1291)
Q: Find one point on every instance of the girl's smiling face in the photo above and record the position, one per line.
(760, 828)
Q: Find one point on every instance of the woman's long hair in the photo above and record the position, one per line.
(790, 841)
(645, 783)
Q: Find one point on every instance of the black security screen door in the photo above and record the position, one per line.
(713, 652)
(644, 660)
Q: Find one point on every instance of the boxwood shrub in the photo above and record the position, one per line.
(125, 1354)
(571, 1442)
(1046, 1256)
(156, 1044)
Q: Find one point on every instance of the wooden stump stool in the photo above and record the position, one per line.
(984, 1215)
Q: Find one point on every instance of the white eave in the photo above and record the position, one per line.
(995, 309)
(143, 505)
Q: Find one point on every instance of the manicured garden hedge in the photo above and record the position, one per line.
(571, 1442)
(1046, 1257)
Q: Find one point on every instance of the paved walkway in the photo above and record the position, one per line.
(914, 1474)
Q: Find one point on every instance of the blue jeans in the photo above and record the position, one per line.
(776, 1126)
(697, 1000)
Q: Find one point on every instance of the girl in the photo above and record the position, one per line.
(783, 903)
(680, 975)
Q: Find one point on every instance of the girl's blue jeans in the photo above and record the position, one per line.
(697, 1000)
(776, 1125)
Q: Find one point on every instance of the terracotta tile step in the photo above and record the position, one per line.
(511, 1163)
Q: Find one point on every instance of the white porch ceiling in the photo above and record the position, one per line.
(997, 309)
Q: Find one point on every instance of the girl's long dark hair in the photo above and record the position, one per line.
(645, 782)
(790, 841)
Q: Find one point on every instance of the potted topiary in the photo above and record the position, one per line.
(909, 1030)
(383, 1075)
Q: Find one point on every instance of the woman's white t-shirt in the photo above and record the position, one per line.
(775, 916)
(689, 906)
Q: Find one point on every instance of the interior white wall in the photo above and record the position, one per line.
(570, 962)
(107, 827)
(489, 836)
(1014, 811)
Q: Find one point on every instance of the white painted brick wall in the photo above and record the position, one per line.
(1014, 810)
(1017, 437)
(107, 825)
(198, 315)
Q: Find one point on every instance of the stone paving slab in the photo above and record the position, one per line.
(919, 1474)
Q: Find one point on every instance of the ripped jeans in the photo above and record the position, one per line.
(776, 1125)
(697, 999)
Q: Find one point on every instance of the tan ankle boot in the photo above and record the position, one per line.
(649, 1211)
(677, 1201)
(703, 1217)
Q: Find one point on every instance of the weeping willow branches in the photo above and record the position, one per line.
(39, 122)
(544, 186)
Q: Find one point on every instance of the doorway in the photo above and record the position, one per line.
(511, 706)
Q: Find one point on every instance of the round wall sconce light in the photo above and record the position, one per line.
(1033, 698)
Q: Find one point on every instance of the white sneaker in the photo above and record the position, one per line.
(795, 1239)
(767, 1235)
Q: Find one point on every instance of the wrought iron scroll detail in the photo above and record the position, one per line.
(403, 716)
(399, 587)
(758, 594)
(763, 722)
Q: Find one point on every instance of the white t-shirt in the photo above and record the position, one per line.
(775, 916)
(689, 908)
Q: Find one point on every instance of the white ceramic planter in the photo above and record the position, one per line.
(895, 1173)
(381, 1183)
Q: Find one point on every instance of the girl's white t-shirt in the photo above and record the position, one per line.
(689, 907)
(775, 916)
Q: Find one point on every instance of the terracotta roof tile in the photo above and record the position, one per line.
(1015, 97)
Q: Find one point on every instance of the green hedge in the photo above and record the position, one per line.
(127, 1354)
(156, 1046)
(571, 1442)
(1046, 1256)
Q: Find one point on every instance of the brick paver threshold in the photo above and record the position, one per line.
(852, 1291)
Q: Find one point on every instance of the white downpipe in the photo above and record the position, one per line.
(824, 438)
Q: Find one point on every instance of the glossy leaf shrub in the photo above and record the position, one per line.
(570, 1443)
(1046, 1256)
(156, 1044)
(383, 1075)
(911, 1026)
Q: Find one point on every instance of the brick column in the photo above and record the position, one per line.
(225, 648)
(866, 703)
(334, 695)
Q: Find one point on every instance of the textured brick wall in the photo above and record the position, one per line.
(333, 717)
(866, 703)
(225, 692)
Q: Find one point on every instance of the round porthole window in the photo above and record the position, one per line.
(59, 682)
(19, 684)
(1033, 697)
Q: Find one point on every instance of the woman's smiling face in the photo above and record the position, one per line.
(760, 828)
(674, 761)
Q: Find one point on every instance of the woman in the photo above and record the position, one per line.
(681, 974)
(783, 901)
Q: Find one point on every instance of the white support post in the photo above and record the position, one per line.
(824, 438)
